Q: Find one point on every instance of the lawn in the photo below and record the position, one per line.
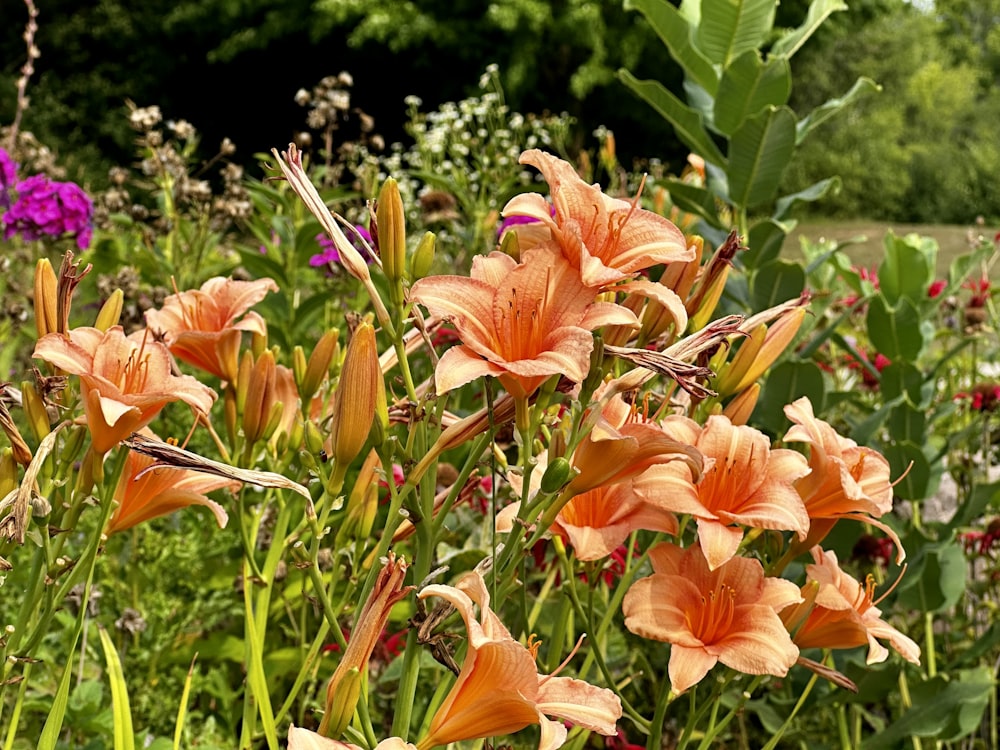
(866, 238)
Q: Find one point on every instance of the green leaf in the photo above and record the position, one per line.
(903, 379)
(907, 423)
(819, 11)
(687, 123)
(124, 735)
(785, 383)
(764, 243)
(828, 109)
(729, 28)
(936, 577)
(816, 191)
(693, 199)
(942, 709)
(758, 154)
(907, 458)
(983, 495)
(895, 331)
(747, 87)
(677, 34)
(776, 282)
(906, 271)
(57, 712)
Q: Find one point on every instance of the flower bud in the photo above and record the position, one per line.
(509, 245)
(21, 451)
(243, 381)
(732, 373)
(356, 398)
(260, 400)
(8, 473)
(111, 311)
(318, 367)
(780, 334)
(557, 475)
(391, 222)
(46, 291)
(34, 408)
(740, 408)
(299, 365)
(230, 412)
(314, 439)
(423, 257)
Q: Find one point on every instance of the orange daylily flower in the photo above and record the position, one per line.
(844, 615)
(124, 381)
(203, 327)
(499, 690)
(519, 322)
(159, 492)
(607, 239)
(846, 481)
(304, 739)
(727, 615)
(746, 482)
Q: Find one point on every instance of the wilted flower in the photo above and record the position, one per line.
(47, 208)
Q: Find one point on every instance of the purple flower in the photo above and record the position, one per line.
(47, 208)
(330, 254)
(8, 176)
(510, 221)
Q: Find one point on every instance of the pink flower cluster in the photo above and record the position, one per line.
(42, 207)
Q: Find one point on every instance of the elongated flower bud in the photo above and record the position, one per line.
(779, 335)
(740, 408)
(260, 400)
(318, 367)
(732, 373)
(46, 288)
(356, 397)
(391, 221)
(111, 311)
(423, 257)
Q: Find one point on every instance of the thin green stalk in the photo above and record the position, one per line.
(843, 733)
(929, 645)
(717, 726)
(788, 722)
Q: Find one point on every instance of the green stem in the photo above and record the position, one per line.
(788, 722)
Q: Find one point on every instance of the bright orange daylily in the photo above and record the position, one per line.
(499, 690)
(124, 381)
(519, 322)
(159, 492)
(846, 481)
(746, 482)
(726, 615)
(844, 615)
(203, 327)
(607, 239)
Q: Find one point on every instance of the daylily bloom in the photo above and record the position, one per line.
(607, 239)
(844, 615)
(846, 481)
(499, 690)
(746, 482)
(204, 327)
(159, 492)
(726, 615)
(519, 322)
(124, 381)
(304, 739)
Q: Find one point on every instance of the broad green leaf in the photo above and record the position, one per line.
(764, 244)
(907, 423)
(776, 282)
(687, 122)
(748, 86)
(906, 458)
(828, 109)
(906, 271)
(693, 199)
(124, 737)
(814, 192)
(729, 28)
(677, 34)
(819, 11)
(895, 331)
(983, 495)
(903, 378)
(785, 383)
(758, 154)
(864, 431)
(936, 578)
(945, 709)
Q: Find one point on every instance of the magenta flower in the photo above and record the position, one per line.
(47, 208)
(8, 176)
(330, 254)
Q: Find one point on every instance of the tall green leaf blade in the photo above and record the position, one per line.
(828, 109)
(758, 154)
(819, 11)
(124, 737)
(814, 192)
(748, 86)
(687, 122)
(677, 35)
(729, 28)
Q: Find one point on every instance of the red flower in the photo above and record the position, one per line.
(936, 288)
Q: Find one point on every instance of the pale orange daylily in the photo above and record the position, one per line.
(142, 495)
(305, 739)
(746, 482)
(607, 239)
(624, 443)
(499, 690)
(124, 381)
(844, 615)
(726, 615)
(204, 327)
(519, 322)
(846, 481)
